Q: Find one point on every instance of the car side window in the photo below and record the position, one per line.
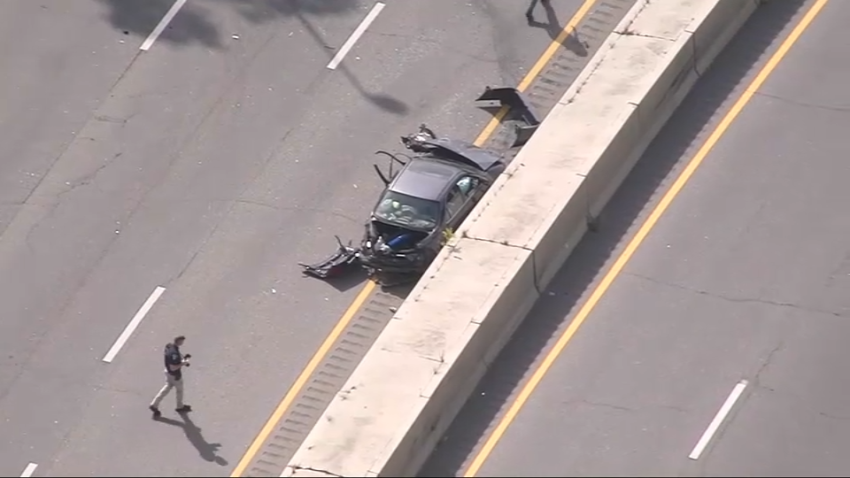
(467, 185)
(455, 202)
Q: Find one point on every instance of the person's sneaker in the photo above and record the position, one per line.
(184, 409)
(155, 411)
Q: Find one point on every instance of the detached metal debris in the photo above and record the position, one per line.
(424, 202)
(494, 99)
(336, 264)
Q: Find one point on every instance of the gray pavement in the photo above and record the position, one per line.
(59, 59)
(209, 165)
(745, 277)
(366, 323)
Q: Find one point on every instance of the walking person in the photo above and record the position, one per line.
(529, 14)
(174, 363)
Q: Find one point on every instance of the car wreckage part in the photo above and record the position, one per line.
(394, 249)
(427, 142)
(344, 257)
(498, 98)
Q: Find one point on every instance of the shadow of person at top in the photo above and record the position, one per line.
(554, 29)
(551, 25)
(208, 451)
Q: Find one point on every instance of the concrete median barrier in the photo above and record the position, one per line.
(402, 397)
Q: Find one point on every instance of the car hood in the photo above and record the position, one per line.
(463, 152)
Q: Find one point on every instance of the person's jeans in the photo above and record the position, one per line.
(170, 382)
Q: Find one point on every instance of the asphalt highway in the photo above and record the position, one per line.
(743, 280)
(208, 164)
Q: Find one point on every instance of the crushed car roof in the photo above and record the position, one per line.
(425, 179)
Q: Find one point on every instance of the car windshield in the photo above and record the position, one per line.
(408, 211)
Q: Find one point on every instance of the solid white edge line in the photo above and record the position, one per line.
(29, 470)
(358, 32)
(162, 24)
(718, 419)
(131, 327)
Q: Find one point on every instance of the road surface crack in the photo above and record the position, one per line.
(624, 408)
(610, 406)
(804, 104)
(315, 470)
(630, 33)
(88, 178)
(607, 405)
(801, 403)
(833, 417)
(591, 403)
(741, 300)
(768, 361)
(503, 242)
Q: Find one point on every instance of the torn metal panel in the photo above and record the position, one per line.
(335, 264)
(494, 99)
(462, 151)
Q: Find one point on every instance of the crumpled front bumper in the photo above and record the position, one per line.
(393, 263)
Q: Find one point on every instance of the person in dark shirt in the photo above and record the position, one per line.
(174, 363)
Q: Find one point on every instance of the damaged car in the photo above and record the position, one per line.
(425, 201)
(422, 204)
(428, 193)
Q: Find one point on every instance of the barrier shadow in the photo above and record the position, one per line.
(700, 111)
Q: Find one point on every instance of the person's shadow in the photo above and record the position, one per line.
(208, 451)
(553, 28)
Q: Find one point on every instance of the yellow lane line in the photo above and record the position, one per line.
(349, 314)
(623, 259)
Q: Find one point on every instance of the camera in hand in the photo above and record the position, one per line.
(186, 358)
